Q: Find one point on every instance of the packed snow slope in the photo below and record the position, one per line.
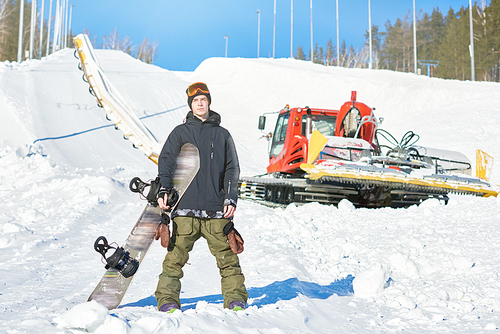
(64, 174)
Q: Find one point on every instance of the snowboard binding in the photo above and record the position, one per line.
(119, 260)
(138, 186)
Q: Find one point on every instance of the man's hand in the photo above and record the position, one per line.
(167, 198)
(228, 211)
(162, 202)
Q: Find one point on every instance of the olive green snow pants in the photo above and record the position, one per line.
(185, 231)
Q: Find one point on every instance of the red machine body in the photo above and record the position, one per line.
(294, 126)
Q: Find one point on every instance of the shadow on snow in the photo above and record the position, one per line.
(283, 290)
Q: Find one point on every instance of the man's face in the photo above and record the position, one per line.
(200, 107)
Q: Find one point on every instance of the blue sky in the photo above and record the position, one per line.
(190, 31)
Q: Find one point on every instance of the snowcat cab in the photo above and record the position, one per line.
(290, 141)
(289, 144)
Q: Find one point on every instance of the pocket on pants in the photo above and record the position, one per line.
(216, 226)
(183, 225)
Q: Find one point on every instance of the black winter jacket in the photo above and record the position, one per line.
(216, 183)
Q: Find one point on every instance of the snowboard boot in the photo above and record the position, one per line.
(169, 307)
(237, 305)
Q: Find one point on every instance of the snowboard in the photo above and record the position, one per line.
(112, 287)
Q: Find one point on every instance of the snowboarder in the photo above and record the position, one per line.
(207, 207)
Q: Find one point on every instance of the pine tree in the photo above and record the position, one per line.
(330, 53)
(393, 45)
(376, 43)
(342, 54)
(492, 41)
(318, 55)
(300, 53)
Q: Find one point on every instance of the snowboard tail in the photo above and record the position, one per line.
(112, 287)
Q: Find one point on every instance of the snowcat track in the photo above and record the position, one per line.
(331, 190)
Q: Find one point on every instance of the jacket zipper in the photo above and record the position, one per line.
(212, 149)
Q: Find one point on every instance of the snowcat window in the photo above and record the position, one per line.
(279, 134)
(323, 123)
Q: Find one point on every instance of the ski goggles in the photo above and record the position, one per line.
(197, 86)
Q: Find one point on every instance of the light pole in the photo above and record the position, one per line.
(20, 39)
(41, 30)
(32, 28)
(291, 31)
(227, 38)
(274, 30)
(312, 50)
(48, 30)
(57, 28)
(370, 65)
(338, 44)
(70, 15)
(66, 25)
(258, 33)
(471, 46)
(414, 39)
(61, 25)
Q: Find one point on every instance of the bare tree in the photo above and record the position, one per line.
(114, 42)
(4, 12)
(147, 51)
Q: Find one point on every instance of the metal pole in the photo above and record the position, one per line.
(312, 50)
(70, 16)
(414, 39)
(291, 31)
(227, 38)
(258, 33)
(55, 38)
(32, 28)
(48, 29)
(20, 39)
(61, 24)
(274, 30)
(41, 30)
(370, 65)
(58, 24)
(338, 45)
(66, 25)
(471, 46)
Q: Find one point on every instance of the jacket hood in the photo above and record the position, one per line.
(213, 117)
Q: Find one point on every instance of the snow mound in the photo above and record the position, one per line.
(87, 316)
(371, 282)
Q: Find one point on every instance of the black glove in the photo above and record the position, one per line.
(169, 195)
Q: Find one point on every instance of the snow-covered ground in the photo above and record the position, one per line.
(309, 269)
